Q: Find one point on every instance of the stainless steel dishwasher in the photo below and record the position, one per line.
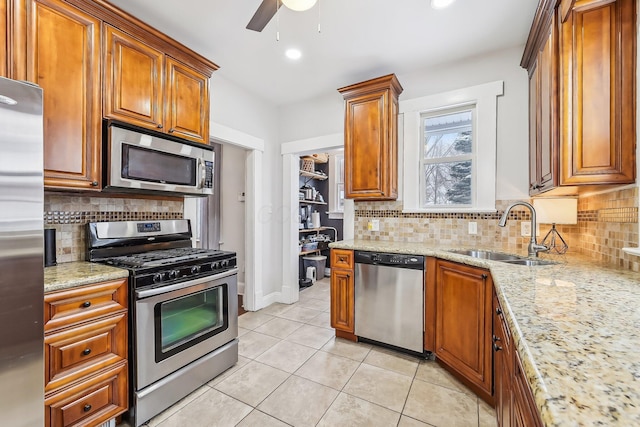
(389, 299)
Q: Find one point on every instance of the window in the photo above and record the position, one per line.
(449, 150)
(447, 163)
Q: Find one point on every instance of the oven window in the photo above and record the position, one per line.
(188, 320)
(144, 164)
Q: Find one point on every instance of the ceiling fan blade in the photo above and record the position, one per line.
(263, 15)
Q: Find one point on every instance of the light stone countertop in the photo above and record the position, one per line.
(575, 325)
(71, 274)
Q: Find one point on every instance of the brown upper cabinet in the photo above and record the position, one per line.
(581, 61)
(64, 59)
(94, 61)
(371, 139)
(145, 87)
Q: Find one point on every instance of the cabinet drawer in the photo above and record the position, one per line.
(341, 258)
(80, 351)
(90, 402)
(72, 306)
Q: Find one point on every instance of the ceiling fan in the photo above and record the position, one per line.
(268, 9)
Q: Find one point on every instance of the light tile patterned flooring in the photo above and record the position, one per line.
(293, 371)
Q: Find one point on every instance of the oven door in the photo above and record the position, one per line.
(177, 324)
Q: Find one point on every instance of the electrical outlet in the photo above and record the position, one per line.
(525, 229)
(473, 228)
(373, 225)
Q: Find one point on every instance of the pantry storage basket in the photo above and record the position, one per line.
(307, 165)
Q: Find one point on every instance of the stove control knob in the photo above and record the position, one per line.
(158, 277)
(215, 266)
(224, 264)
(195, 269)
(173, 274)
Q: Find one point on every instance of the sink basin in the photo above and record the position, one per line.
(529, 262)
(497, 256)
(494, 256)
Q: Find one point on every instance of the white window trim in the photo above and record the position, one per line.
(334, 212)
(485, 99)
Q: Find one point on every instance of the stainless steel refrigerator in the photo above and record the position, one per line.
(21, 255)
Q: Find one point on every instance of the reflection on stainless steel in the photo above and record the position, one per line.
(21, 256)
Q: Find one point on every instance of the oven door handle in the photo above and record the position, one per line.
(146, 293)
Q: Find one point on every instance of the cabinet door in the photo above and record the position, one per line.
(64, 59)
(367, 147)
(463, 324)
(598, 54)
(133, 80)
(342, 300)
(187, 107)
(525, 412)
(502, 366)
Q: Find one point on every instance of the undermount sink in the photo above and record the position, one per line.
(529, 262)
(494, 256)
(498, 256)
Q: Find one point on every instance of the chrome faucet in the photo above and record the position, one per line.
(533, 247)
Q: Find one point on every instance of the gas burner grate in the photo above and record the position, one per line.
(161, 257)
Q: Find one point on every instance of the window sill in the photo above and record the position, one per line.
(336, 215)
(632, 251)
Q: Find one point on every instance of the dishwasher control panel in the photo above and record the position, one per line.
(415, 262)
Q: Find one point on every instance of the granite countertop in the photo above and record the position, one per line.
(575, 325)
(72, 274)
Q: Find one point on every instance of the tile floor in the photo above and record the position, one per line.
(293, 371)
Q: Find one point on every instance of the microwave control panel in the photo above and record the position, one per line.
(208, 177)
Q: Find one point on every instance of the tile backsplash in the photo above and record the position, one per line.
(607, 222)
(68, 214)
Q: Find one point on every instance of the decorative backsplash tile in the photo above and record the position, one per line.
(68, 214)
(606, 223)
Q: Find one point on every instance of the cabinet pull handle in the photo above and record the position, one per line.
(86, 352)
(496, 347)
(498, 311)
(87, 408)
(86, 304)
(159, 125)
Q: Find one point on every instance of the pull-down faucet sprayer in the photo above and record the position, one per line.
(533, 247)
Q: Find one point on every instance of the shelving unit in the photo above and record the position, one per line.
(310, 202)
(317, 231)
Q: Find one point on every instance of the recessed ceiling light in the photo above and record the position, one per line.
(294, 54)
(441, 4)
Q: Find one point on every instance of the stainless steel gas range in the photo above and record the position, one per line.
(183, 309)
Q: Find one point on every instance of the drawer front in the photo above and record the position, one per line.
(91, 402)
(341, 258)
(80, 351)
(73, 306)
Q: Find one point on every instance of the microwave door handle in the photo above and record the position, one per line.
(203, 172)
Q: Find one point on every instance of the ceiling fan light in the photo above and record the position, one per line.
(299, 5)
(440, 4)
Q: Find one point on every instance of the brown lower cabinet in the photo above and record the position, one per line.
(85, 354)
(342, 293)
(515, 404)
(462, 305)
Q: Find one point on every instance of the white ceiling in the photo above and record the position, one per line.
(360, 39)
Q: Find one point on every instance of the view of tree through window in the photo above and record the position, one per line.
(447, 159)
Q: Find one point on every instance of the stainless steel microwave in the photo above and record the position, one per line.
(143, 161)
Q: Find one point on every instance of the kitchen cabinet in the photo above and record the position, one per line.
(463, 323)
(598, 45)
(4, 38)
(543, 114)
(371, 139)
(580, 56)
(64, 59)
(85, 354)
(342, 293)
(515, 404)
(147, 88)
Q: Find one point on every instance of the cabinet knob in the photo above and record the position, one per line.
(496, 347)
(495, 339)
(171, 130)
(159, 125)
(86, 352)
(498, 311)
(86, 408)
(86, 304)
(484, 277)
(94, 183)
